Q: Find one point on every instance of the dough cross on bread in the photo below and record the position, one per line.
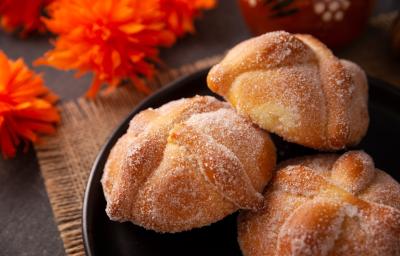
(187, 164)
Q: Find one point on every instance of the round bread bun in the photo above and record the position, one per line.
(187, 164)
(325, 205)
(293, 86)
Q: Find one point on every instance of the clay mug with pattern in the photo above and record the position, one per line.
(335, 22)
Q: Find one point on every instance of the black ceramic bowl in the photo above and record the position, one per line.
(104, 237)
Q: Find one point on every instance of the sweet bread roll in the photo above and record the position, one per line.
(293, 85)
(325, 205)
(187, 164)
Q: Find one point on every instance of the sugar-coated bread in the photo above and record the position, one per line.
(293, 85)
(325, 205)
(187, 164)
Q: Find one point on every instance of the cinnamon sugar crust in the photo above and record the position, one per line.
(325, 205)
(293, 85)
(187, 164)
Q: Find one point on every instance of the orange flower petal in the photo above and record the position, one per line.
(7, 146)
(132, 28)
(40, 127)
(5, 71)
(23, 15)
(94, 88)
(26, 106)
(116, 39)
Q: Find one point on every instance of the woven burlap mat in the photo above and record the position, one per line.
(66, 158)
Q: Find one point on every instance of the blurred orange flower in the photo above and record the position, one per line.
(26, 106)
(24, 15)
(115, 39)
(179, 14)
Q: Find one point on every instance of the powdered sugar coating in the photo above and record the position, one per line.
(311, 208)
(293, 85)
(187, 164)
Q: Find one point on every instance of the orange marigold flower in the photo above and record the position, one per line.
(23, 14)
(25, 106)
(114, 39)
(181, 13)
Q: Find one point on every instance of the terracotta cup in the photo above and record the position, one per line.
(335, 22)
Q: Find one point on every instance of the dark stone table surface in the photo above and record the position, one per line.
(26, 221)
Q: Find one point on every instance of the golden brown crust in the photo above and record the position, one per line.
(187, 164)
(325, 205)
(294, 86)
